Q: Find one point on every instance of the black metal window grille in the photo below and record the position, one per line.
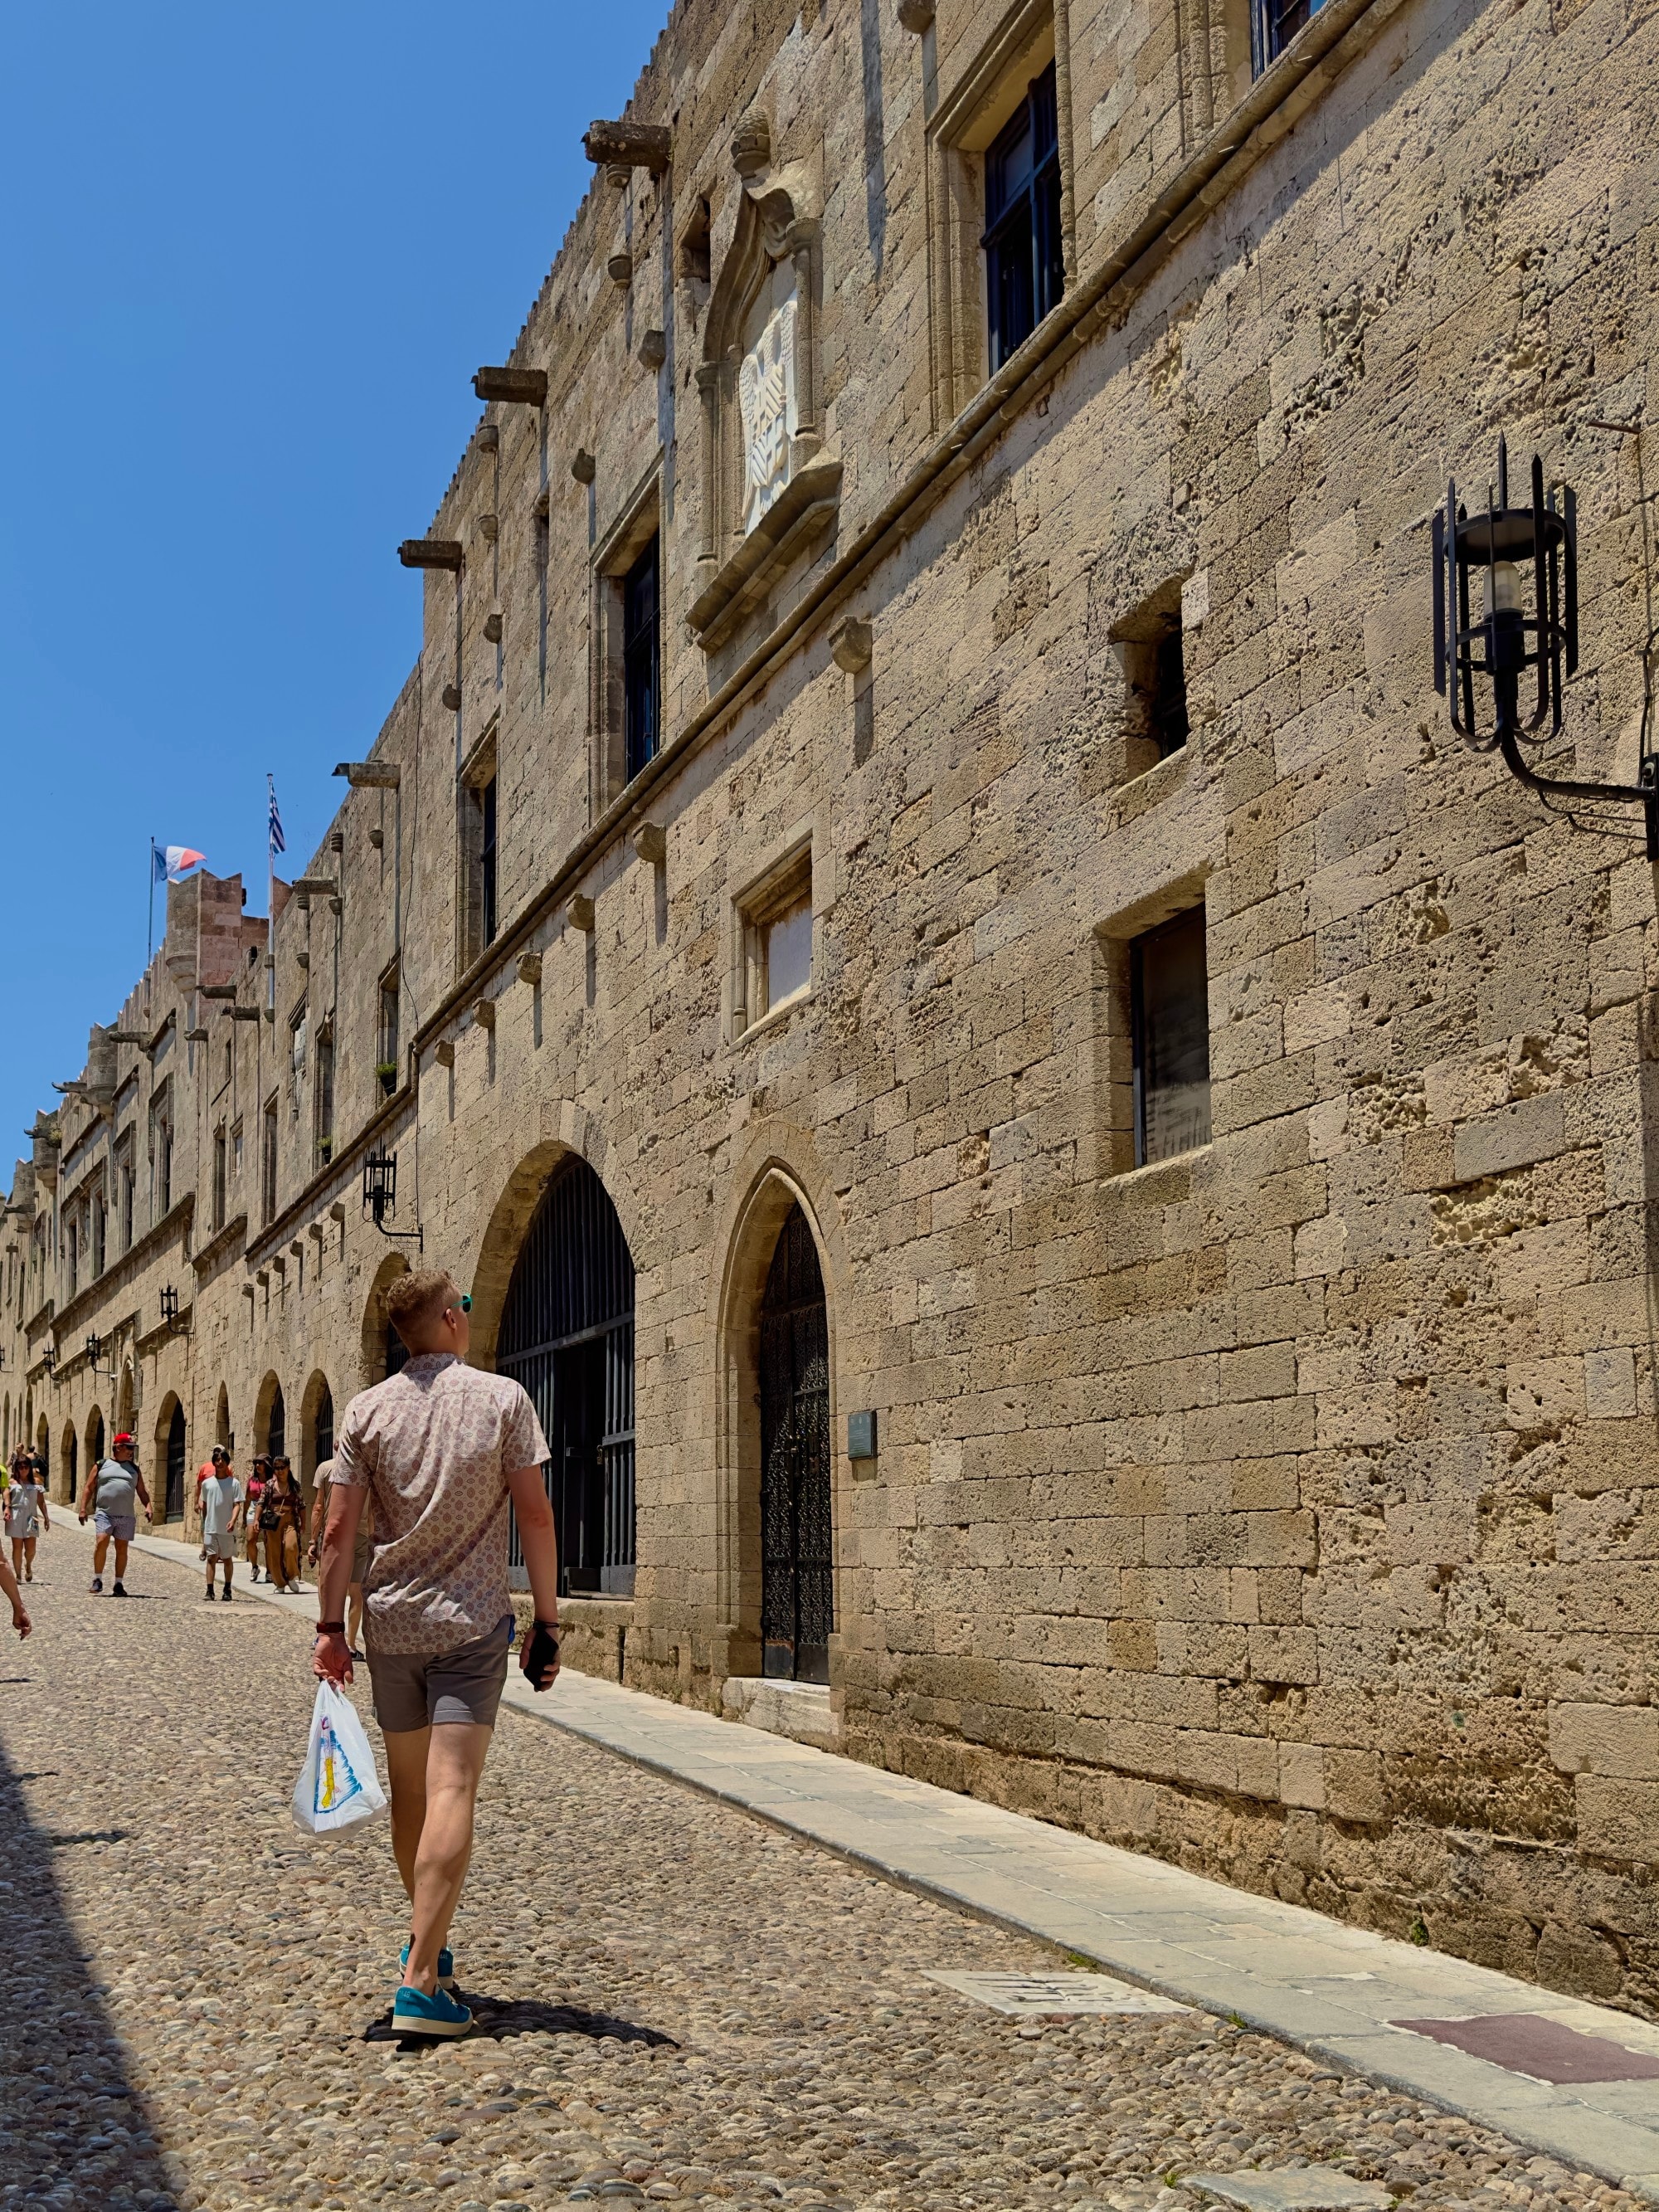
(487, 860)
(567, 1333)
(175, 1506)
(641, 660)
(1025, 262)
(1170, 1021)
(1274, 26)
(798, 1606)
(276, 1426)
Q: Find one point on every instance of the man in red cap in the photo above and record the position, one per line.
(114, 1485)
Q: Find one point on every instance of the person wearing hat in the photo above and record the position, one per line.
(111, 1493)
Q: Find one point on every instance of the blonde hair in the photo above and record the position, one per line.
(415, 1299)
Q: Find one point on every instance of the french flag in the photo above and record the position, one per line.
(170, 861)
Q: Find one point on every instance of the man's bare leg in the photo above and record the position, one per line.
(120, 1559)
(442, 1791)
(100, 1554)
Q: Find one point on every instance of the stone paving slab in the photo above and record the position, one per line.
(1276, 1967)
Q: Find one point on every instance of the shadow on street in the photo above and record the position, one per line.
(74, 2131)
(497, 2019)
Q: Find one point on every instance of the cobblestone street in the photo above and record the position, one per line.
(677, 2004)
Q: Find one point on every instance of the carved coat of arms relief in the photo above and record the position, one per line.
(766, 397)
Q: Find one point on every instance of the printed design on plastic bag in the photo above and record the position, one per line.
(337, 1778)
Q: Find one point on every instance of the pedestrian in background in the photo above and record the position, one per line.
(221, 1513)
(26, 1515)
(360, 1555)
(282, 1514)
(258, 1482)
(111, 1489)
(448, 1453)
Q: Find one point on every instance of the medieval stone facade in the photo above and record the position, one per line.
(925, 720)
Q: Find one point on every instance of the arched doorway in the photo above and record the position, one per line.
(222, 1419)
(322, 1428)
(94, 1438)
(798, 1610)
(384, 1351)
(276, 1424)
(567, 1333)
(72, 1469)
(175, 1461)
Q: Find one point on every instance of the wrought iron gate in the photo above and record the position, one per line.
(798, 1608)
(175, 1498)
(567, 1333)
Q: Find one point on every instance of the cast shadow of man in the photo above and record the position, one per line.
(497, 2019)
(75, 2126)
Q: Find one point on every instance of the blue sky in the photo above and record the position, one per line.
(250, 259)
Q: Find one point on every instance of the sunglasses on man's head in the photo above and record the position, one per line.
(465, 1305)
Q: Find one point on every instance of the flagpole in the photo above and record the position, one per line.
(149, 949)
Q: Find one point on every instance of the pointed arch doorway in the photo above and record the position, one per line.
(796, 1534)
(567, 1333)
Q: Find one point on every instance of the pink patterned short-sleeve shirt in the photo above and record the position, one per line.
(434, 1445)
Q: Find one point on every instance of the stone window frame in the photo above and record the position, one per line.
(162, 1135)
(778, 219)
(637, 522)
(1135, 639)
(771, 890)
(958, 133)
(481, 768)
(1113, 1025)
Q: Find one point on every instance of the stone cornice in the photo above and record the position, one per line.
(1153, 227)
(219, 1246)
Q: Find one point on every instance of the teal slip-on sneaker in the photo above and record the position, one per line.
(446, 1965)
(414, 2013)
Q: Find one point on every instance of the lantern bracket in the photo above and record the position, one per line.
(1502, 646)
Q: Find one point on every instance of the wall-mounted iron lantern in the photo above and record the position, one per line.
(170, 1311)
(1526, 559)
(49, 1360)
(381, 1196)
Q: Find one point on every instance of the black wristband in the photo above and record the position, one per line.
(330, 1628)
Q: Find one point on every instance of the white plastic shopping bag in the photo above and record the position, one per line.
(337, 1784)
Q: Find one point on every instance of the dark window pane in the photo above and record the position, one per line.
(487, 860)
(1024, 266)
(1169, 980)
(641, 662)
(1273, 24)
(1170, 728)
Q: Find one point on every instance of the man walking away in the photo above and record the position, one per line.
(325, 1484)
(442, 1449)
(26, 1515)
(110, 1490)
(221, 1513)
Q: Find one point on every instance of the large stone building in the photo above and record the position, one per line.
(1069, 1171)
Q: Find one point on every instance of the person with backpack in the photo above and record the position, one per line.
(26, 1515)
(111, 1489)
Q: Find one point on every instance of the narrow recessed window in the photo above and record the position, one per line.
(73, 1257)
(268, 1161)
(487, 860)
(1170, 1013)
(221, 1175)
(776, 964)
(128, 1182)
(1167, 721)
(1273, 24)
(324, 1101)
(386, 1068)
(1024, 264)
(98, 1219)
(543, 549)
(641, 660)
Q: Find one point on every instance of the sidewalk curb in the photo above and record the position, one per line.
(1139, 1918)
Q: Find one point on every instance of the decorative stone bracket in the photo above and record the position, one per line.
(804, 508)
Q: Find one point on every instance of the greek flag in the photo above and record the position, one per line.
(278, 842)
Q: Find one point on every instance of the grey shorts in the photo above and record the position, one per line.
(118, 1525)
(427, 1689)
(221, 1546)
